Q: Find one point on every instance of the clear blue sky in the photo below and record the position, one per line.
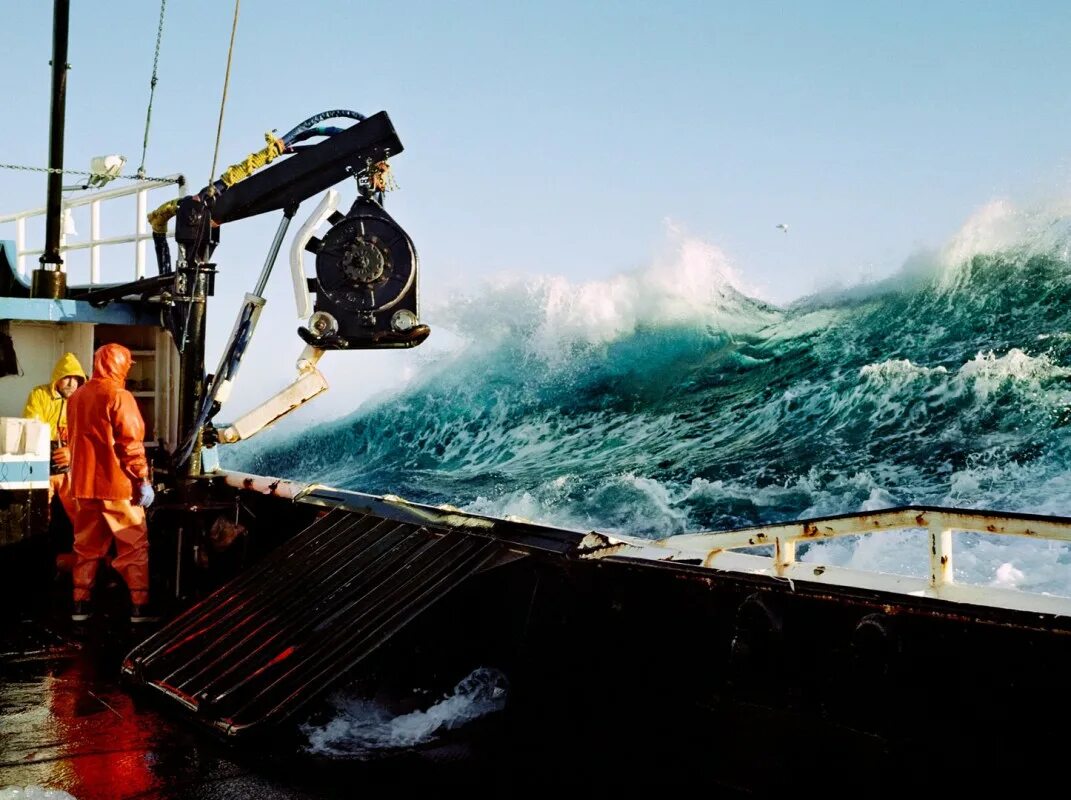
(561, 137)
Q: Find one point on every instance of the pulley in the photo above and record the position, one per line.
(366, 283)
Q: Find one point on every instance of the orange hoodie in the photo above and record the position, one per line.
(107, 431)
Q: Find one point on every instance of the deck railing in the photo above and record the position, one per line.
(95, 242)
(720, 550)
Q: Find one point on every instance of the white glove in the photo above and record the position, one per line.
(144, 495)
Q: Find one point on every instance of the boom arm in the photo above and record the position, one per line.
(366, 267)
(309, 383)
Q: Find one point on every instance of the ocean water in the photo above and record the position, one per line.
(671, 400)
(362, 728)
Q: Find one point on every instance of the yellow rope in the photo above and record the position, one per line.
(223, 101)
(160, 216)
(254, 161)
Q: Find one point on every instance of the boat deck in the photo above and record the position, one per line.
(624, 669)
(67, 722)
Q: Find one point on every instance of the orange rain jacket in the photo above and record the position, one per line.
(48, 405)
(107, 431)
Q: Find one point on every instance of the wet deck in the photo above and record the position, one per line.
(68, 723)
(65, 723)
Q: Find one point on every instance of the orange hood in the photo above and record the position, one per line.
(112, 363)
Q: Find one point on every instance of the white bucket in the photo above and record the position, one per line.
(11, 435)
(36, 438)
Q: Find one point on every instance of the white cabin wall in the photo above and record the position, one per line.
(168, 367)
(38, 346)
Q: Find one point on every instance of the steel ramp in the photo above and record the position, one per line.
(286, 631)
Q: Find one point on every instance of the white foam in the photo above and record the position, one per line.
(896, 370)
(1001, 228)
(34, 792)
(552, 314)
(361, 727)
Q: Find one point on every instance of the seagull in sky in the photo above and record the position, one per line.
(783, 227)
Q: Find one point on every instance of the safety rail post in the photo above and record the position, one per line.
(20, 245)
(784, 553)
(94, 236)
(142, 230)
(940, 552)
(96, 241)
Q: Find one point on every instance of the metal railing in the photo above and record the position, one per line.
(720, 550)
(95, 242)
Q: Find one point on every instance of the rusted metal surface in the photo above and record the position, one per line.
(527, 536)
(277, 487)
(268, 642)
(1001, 523)
(720, 551)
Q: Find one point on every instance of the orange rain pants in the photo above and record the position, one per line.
(96, 524)
(61, 485)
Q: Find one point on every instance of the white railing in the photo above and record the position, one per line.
(95, 242)
(721, 550)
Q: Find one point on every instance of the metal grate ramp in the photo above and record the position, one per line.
(284, 632)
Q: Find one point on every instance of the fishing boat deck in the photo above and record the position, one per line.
(68, 723)
(625, 668)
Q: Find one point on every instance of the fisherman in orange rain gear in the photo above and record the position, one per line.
(110, 479)
(48, 403)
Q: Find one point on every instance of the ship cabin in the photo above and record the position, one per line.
(36, 331)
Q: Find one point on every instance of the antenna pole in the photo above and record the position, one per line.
(49, 280)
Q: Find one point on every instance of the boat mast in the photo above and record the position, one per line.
(49, 280)
(198, 279)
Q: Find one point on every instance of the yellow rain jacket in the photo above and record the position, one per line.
(46, 404)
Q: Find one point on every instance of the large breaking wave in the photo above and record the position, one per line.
(669, 399)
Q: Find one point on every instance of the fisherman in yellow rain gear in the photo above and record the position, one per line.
(48, 403)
